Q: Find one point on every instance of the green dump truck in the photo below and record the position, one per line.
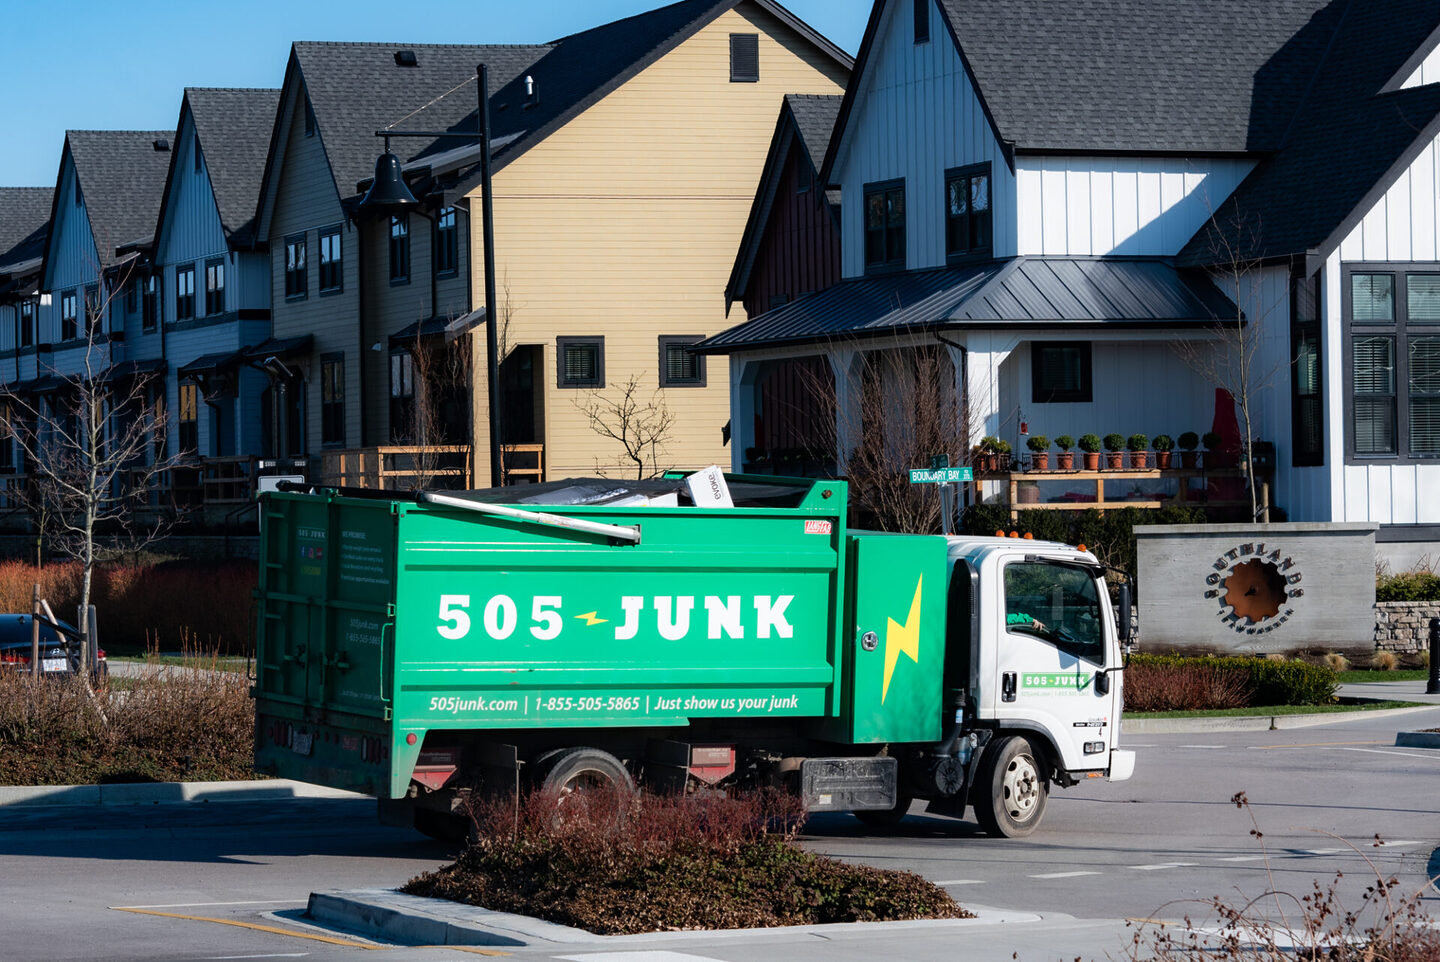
(422, 648)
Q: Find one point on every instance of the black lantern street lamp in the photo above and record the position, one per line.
(389, 195)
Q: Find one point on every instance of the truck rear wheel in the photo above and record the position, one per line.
(1010, 793)
(576, 770)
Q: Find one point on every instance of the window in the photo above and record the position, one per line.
(680, 367)
(297, 282)
(69, 318)
(1060, 372)
(185, 292)
(967, 212)
(581, 361)
(28, 310)
(215, 287)
(195, 151)
(447, 242)
(332, 399)
(400, 249)
(922, 21)
(1392, 328)
(332, 264)
(309, 119)
(149, 301)
(94, 308)
(1057, 603)
(885, 225)
(744, 58)
(189, 421)
(402, 396)
(1307, 408)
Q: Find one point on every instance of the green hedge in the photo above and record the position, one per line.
(1271, 682)
(1408, 586)
(1110, 535)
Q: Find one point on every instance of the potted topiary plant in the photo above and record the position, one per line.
(1002, 455)
(1115, 452)
(1139, 446)
(1039, 445)
(1065, 461)
(1188, 442)
(1163, 445)
(1212, 442)
(989, 450)
(1090, 444)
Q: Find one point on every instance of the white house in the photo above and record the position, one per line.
(1053, 194)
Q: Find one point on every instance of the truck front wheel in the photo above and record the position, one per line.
(1009, 796)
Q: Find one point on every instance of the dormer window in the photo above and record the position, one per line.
(967, 213)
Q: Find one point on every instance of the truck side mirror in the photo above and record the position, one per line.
(1123, 613)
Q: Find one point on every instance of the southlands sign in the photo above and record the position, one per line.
(1255, 585)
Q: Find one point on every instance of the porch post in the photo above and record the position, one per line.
(845, 368)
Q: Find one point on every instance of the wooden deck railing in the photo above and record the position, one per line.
(1022, 492)
(397, 467)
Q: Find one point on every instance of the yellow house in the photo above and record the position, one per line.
(617, 213)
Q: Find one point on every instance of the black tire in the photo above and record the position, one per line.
(570, 770)
(886, 817)
(1009, 796)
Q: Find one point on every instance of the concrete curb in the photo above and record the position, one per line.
(1417, 740)
(1253, 723)
(395, 917)
(157, 793)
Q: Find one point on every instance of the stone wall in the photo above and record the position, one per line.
(1404, 626)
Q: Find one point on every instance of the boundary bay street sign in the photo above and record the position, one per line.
(940, 475)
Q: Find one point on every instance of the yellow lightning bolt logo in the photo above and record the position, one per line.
(591, 620)
(902, 638)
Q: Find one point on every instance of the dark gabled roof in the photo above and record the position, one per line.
(1142, 75)
(122, 175)
(1048, 293)
(24, 224)
(234, 130)
(806, 120)
(357, 88)
(1350, 140)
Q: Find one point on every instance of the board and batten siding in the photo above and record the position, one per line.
(75, 261)
(1125, 206)
(192, 231)
(800, 250)
(1403, 226)
(625, 223)
(915, 116)
(306, 201)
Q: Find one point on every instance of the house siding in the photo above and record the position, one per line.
(305, 201)
(1402, 226)
(74, 260)
(917, 115)
(622, 226)
(800, 251)
(1094, 206)
(1427, 73)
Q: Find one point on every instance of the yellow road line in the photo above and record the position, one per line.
(274, 930)
(328, 940)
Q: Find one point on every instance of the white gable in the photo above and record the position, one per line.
(1427, 73)
(915, 115)
(1402, 225)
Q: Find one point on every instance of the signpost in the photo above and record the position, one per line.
(946, 477)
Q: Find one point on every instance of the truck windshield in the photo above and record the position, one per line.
(1055, 602)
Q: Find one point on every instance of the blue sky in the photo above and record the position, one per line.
(87, 64)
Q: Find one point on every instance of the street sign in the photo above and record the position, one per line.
(940, 475)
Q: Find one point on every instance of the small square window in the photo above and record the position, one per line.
(1060, 372)
(744, 58)
(1372, 297)
(679, 366)
(580, 361)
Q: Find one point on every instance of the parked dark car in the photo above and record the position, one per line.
(59, 655)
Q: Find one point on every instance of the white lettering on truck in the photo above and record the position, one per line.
(501, 616)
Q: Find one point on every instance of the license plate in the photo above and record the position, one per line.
(54, 664)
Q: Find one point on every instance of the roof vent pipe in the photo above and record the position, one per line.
(532, 93)
(161, 145)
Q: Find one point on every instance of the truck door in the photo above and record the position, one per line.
(1052, 644)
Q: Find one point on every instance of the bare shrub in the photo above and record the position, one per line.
(1276, 926)
(622, 863)
(1190, 687)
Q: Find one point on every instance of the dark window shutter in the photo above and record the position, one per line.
(744, 57)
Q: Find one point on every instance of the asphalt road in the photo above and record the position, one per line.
(228, 880)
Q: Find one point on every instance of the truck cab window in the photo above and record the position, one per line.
(1055, 602)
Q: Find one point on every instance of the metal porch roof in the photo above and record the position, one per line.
(1023, 292)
